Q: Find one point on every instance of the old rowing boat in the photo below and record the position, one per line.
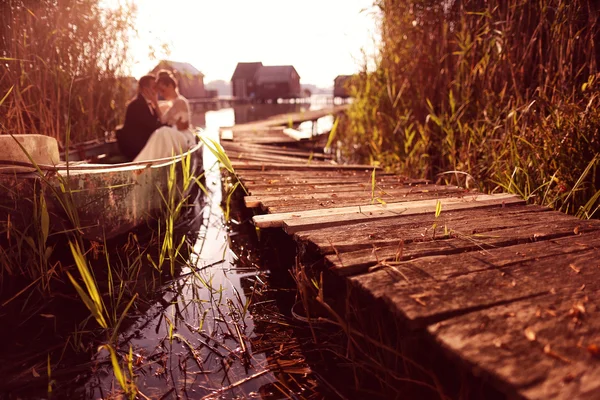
(102, 201)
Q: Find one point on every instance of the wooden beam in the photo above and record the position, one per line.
(313, 219)
(432, 289)
(255, 201)
(360, 200)
(278, 150)
(242, 165)
(534, 348)
(286, 119)
(415, 244)
(358, 240)
(331, 187)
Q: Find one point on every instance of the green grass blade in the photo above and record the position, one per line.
(117, 368)
(93, 295)
(122, 317)
(89, 303)
(373, 184)
(218, 151)
(332, 133)
(45, 219)
(438, 208)
(6, 95)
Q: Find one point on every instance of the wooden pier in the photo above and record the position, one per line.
(506, 291)
(288, 119)
(279, 130)
(215, 103)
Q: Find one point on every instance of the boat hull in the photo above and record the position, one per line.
(100, 201)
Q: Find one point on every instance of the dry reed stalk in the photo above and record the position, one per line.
(66, 62)
(508, 92)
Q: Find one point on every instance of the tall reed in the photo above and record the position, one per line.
(507, 92)
(65, 65)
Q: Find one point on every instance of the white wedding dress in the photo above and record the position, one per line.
(167, 141)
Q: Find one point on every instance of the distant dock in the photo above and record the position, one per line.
(278, 129)
(217, 103)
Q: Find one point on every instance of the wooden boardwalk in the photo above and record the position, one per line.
(507, 290)
(287, 119)
(279, 129)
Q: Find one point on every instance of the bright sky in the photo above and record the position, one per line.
(321, 38)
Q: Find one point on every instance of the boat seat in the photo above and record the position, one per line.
(25, 148)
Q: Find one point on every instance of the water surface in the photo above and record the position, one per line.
(202, 338)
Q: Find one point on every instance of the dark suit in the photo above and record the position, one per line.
(140, 122)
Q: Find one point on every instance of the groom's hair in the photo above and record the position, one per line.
(145, 81)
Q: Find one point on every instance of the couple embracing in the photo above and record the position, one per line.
(152, 130)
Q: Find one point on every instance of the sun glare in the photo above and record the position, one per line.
(322, 39)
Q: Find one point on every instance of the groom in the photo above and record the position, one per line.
(142, 118)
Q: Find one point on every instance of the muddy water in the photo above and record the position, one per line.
(216, 331)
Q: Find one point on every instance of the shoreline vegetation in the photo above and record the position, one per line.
(62, 68)
(498, 96)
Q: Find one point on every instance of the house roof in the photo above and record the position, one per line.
(182, 67)
(341, 80)
(274, 74)
(343, 77)
(246, 70)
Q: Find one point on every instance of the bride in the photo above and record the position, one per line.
(167, 141)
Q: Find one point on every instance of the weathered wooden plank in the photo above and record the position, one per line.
(287, 151)
(262, 131)
(300, 174)
(361, 175)
(389, 232)
(263, 157)
(317, 219)
(431, 289)
(362, 191)
(294, 183)
(272, 189)
(364, 200)
(270, 136)
(277, 150)
(482, 282)
(277, 220)
(450, 287)
(261, 134)
(258, 133)
(377, 232)
(553, 361)
(550, 227)
(283, 178)
(267, 182)
(282, 141)
(250, 165)
(276, 133)
(250, 156)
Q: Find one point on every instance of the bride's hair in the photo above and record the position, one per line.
(166, 78)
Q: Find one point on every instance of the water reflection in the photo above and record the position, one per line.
(200, 338)
(189, 338)
(256, 112)
(244, 113)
